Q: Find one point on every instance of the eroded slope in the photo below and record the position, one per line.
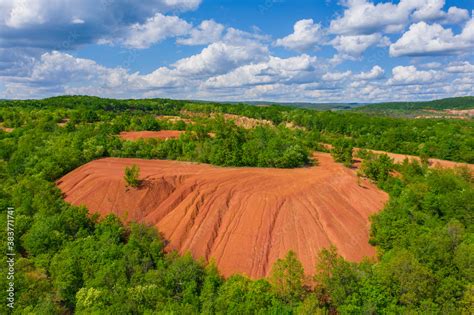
(244, 218)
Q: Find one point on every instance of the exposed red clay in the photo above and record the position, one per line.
(244, 218)
(399, 158)
(162, 134)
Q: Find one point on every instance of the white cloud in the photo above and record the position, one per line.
(17, 62)
(409, 75)
(300, 78)
(154, 30)
(353, 46)
(47, 24)
(460, 67)
(375, 73)
(207, 32)
(220, 57)
(431, 65)
(234, 65)
(366, 17)
(431, 10)
(239, 37)
(424, 39)
(77, 21)
(306, 35)
(290, 70)
(336, 76)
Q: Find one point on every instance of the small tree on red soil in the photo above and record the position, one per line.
(132, 175)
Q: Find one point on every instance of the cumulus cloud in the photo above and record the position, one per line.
(207, 32)
(303, 78)
(460, 67)
(410, 75)
(306, 35)
(154, 30)
(374, 74)
(221, 57)
(336, 76)
(17, 62)
(424, 39)
(49, 24)
(431, 10)
(233, 64)
(366, 17)
(297, 69)
(57, 68)
(353, 46)
(63, 73)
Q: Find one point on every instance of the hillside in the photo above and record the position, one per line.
(243, 218)
(465, 102)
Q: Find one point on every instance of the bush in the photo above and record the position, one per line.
(377, 168)
(132, 175)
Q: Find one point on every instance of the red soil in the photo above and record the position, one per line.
(243, 218)
(6, 129)
(399, 158)
(162, 134)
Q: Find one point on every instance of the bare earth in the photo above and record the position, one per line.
(449, 113)
(399, 158)
(162, 134)
(244, 218)
(241, 121)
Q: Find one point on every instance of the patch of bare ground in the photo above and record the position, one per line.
(162, 134)
(6, 129)
(63, 122)
(399, 158)
(174, 119)
(449, 113)
(243, 218)
(241, 121)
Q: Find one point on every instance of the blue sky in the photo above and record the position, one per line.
(275, 50)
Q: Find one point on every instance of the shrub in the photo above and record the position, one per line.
(132, 175)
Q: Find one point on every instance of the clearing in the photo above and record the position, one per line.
(162, 134)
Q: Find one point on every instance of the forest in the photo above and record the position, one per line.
(465, 102)
(70, 262)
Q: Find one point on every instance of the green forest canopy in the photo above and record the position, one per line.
(463, 102)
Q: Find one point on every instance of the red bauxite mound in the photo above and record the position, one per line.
(162, 134)
(244, 218)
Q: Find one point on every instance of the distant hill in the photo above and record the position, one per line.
(320, 106)
(466, 102)
(308, 105)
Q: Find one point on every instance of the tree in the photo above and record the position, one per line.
(377, 168)
(132, 175)
(342, 151)
(287, 278)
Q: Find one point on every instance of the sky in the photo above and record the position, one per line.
(268, 50)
